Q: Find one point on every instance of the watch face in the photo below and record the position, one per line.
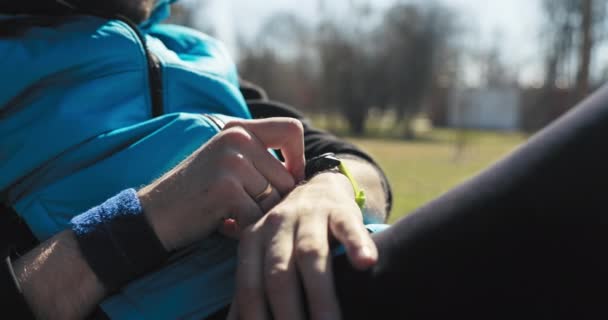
(321, 163)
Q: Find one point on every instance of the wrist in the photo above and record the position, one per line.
(178, 213)
(336, 181)
(154, 212)
(117, 240)
(330, 162)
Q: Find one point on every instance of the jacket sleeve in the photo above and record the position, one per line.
(12, 301)
(15, 239)
(316, 141)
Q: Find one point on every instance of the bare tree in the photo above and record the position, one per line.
(346, 66)
(413, 39)
(572, 31)
(592, 23)
(559, 32)
(586, 31)
(572, 25)
(350, 65)
(282, 59)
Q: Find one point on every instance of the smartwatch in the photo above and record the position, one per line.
(330, 162)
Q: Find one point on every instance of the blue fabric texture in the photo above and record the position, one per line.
(117, 241)
(77, 128)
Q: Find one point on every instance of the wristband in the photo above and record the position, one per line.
(117, 240)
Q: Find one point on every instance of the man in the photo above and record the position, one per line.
(94, 105)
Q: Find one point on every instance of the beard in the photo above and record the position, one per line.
(135, 10)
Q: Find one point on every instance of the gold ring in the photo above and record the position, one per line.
(264, 194)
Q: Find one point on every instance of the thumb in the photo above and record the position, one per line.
(230, 229)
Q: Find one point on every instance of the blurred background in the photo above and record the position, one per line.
(435, 90)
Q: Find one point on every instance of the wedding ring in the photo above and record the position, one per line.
(264, 194)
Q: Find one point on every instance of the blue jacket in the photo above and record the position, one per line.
(77, 106)
(81, 119)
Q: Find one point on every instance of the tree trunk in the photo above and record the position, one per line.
(582, 77)
(356, 121)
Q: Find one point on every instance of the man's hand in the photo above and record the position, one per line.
(291, 245)
(221, 180)
(186, 204)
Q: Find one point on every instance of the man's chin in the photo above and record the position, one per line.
(136, 10)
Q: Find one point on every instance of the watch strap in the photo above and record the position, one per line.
(359, 193)
(329, 161)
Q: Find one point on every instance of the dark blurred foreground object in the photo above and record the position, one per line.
(525, 239)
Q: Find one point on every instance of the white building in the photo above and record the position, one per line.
(495, 108)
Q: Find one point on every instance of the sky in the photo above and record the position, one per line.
(512, 25)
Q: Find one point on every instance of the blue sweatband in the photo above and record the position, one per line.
(117, 241)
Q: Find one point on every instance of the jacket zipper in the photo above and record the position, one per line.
(155, 78)
(156, 84)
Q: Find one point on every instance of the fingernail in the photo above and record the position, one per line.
(367, 253)
(230, 226)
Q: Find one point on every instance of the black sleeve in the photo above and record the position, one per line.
(12, 301)
(316, 141)
(16, 239)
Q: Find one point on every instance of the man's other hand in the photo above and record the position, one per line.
(222, 180)
(286, 256)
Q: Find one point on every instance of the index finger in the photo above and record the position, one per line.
(285, 134)
(249, 296)
(355, 238)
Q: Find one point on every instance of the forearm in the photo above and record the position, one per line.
(60, 278)
(56, 280)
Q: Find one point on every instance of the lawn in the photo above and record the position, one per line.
(441, 159)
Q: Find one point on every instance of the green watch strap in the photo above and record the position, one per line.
(359, 193)
(330, 161)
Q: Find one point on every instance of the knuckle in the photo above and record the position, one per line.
(227, 186)
(278, 267)
(341, 226)
(294, 125)
(276, 219)
(308, 208)
(233, 161)
(308, 250)
(236, 135)
(277, 274)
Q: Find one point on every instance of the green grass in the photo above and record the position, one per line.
(441, 159)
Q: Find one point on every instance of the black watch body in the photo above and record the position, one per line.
(321, 163)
